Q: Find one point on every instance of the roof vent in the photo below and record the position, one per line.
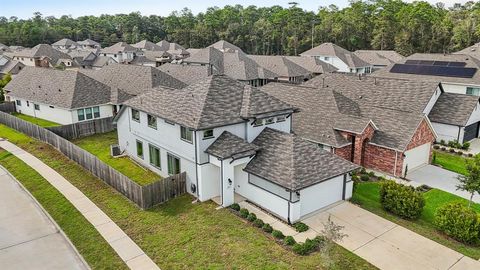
(360, 97)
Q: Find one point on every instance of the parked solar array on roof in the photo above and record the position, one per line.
(447, 71)
(435, 63)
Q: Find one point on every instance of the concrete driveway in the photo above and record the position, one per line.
(439, 178)
(387, 245)
(28, 238)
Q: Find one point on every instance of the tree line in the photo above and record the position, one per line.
(377, 24)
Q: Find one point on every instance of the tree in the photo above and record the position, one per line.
(470, 182)
(332, 233)
(3, 82)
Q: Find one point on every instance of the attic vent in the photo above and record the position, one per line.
(59, 90)
(39, 86)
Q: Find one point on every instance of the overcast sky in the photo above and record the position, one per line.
(25, 8)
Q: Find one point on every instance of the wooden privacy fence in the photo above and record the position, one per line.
(144, 196)
(83, 129)
(7, 107)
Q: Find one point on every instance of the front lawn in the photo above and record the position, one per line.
(367, 195)
(99, 145)
(37, 121)
(182, 235)
(451, 162)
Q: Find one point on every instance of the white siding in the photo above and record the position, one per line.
(105, 111)
(454, 88)
(209, 181)
(432, 101)
(321, 195)
(447, 132)
(475, 117)
(253, 131)
(55, 114)
(203, 144)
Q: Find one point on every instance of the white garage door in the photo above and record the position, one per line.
(321, 195)
(416, 157)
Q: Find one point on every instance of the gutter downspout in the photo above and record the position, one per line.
(458, 136)
(221, 179)
(196, 167)
(395, 165)
(288, 218)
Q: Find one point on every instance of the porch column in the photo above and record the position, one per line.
(227, 183)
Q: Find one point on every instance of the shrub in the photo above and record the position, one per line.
(371, 174)
(300, 227)
(401, 200)
(251, 217)
(355, 177)
(364, 177)
(363, 170)
(278, 234)
(258, 223)
(442, 142)
(459, 222)
(465, 145)
(443, 149)
(289, 241)
(470, 155)
(244, 213)
(299, 249)
(309, 246)
(235, 207)
(459, 153)
(267, 228)
(451, 150)
(451, 143)
(436, 147)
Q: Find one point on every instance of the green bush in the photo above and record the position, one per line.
(465, 145)
(443, 149)
(251, 217)
(289, 241)
(309, 246)
(244, 213)
(459, 153)
(278, 234)
(470, 155)
(299, 249)
(401, 200)
(355, 177)
(436, 146)
(258, 223)
(300, 227)
(459, 222)
(371, 174)
(363, 170)
(451, 150)
(442, 142)
(267, 228)
(364, 177)
(235, 207)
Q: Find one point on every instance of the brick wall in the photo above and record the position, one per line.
(344, 152)
(423, 135)
(360, 140)
(382, 159)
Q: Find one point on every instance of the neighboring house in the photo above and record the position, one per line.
(456, 117)
(312, 64)
(177, 51)
(342, 59)
(458, 73)
(121, 52)
(102, 61)
(4, 48)
(146, 45)
(189, 74)
(286, 70)
(9, 66)
(379, 58)
(378, 124)
(89, 44)
(64, 97)
(65, 44)
(231, 138)
(43, 55)
(153, 58)
(83, 58)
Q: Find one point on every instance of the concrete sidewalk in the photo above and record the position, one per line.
(128, 251)
(29, 239)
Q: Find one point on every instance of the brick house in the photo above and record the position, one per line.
(379, 124)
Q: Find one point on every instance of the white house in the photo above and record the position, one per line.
(89, 44)
(231, 138)
(63, 97)
(43, 55)
(343, 60)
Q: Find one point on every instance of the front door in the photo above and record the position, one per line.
(173, 164)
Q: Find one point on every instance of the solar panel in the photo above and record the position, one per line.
(457, 64)
(447, 71)
(435, 63)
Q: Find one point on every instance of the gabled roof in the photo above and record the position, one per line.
(292, 162)
(280, 65)
(215, 101)
(65, 42)
(241, 67)
(4, 48)
(228, 145)
(65, 89)
(134, 80)
(312, 64)
(167, 46)
(43, 50)
(453, 109)
(379, 57)
(119, 47)
(147, 45)
(330, 49)
(189, 74)
(225, 46)
(207, 55)
(88, 42)
(101, 61)
(9, 66)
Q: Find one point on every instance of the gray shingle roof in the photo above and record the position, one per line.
(167, 46)
(215, 101)
(43, 50)
(292, 162)
(147, 45)
(228, 145)
(330, 49)
(119, 47)
(379, 57)
(453, 109)
(101, 61)
(65, 89)
(88, 42)
(9, 66)
(280, 65)
(65, 42)
(225, 46)
(312, 64)
(189, 74)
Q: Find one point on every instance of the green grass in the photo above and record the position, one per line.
(451, 162)
(99, 145)
(182, 235)
(94, 249)
(367, 195)
(37, 121)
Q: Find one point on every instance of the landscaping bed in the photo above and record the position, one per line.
(99, 145)
(449, 161)
(367, 195)
(182, 235)
(37, 121)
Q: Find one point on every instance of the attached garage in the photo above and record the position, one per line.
(416, 157)
(321, 195)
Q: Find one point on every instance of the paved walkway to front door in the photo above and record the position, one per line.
(29, 239)
(386, 244)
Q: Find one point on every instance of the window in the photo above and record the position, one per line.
(51, 107)
(367, 70)
(281, 118)
(154, 156)
(18, 102)
(186, 134)
(207, 134)
(88, 113)
(473, 91)
(135, 115)
(96, 112)
(173, 164)
(36, 106)
(81, 114)
(152, 121)
(269, 121)
(327, 58)
(258, 122)
(139, 149)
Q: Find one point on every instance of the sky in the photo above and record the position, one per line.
(25, 8)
